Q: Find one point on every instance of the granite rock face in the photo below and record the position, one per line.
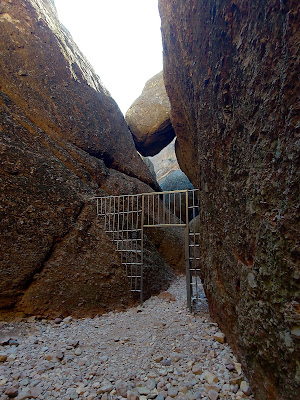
(176, 180)
(232, 75)
(165, 161)
(149, 118)
(63, 141)
(170, 177)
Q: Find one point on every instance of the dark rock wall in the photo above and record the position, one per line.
(231, 71)
(63, 141)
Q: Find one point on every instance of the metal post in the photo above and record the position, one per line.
(164, 208)
(142, 247)
(187, 253)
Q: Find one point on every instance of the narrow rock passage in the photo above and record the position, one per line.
(158, 351)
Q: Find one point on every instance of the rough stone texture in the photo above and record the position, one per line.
(176, 180)
(146, 352)
(149, 118)
(63, 140)
(150, 165)
(232, 75)
(169, 175)
(170, 244)
(165, 161)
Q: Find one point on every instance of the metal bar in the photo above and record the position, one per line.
(125, 220)
(153, 212)
(164, 207)
(126, 212)
(158, 201)
(119, 195)
(133, 263)
(105, 207)
(187, 257)
(114, 218)
(138, 239)
(139, 256)
(168, 191)
(169, 208)
(132, 212)
(129, 251)
(180, 205)
(109, 213)
(194, 214)
(174, 212)
(125, 230)
(118, 223)
(130, 240)
(127, 233)
(142, 249)
(158, 225)
(148, 210)
(122, 228)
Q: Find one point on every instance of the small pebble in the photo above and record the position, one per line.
(219, 337)
(213, 395)
(11, 392)
(161, 353)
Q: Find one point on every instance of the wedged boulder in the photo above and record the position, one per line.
(165, 161)
(170, 177)
(63, 141)
(231, 71)
(149, 118)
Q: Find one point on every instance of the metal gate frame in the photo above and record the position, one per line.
(126, 217)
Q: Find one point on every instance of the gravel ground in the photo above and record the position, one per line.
(158, 351)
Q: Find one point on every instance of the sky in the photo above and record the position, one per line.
(120, 38)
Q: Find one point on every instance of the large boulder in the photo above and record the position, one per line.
(231, 71)
(165, 161)
(149, 118)
(63, 141)
(176, 180)
(170, 177)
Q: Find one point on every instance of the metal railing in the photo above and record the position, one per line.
(126, 217)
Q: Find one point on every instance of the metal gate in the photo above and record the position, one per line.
(127, 216)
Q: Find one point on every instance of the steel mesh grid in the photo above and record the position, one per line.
(125, 218)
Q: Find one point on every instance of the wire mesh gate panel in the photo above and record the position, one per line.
(126, 217)
(123, 222)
